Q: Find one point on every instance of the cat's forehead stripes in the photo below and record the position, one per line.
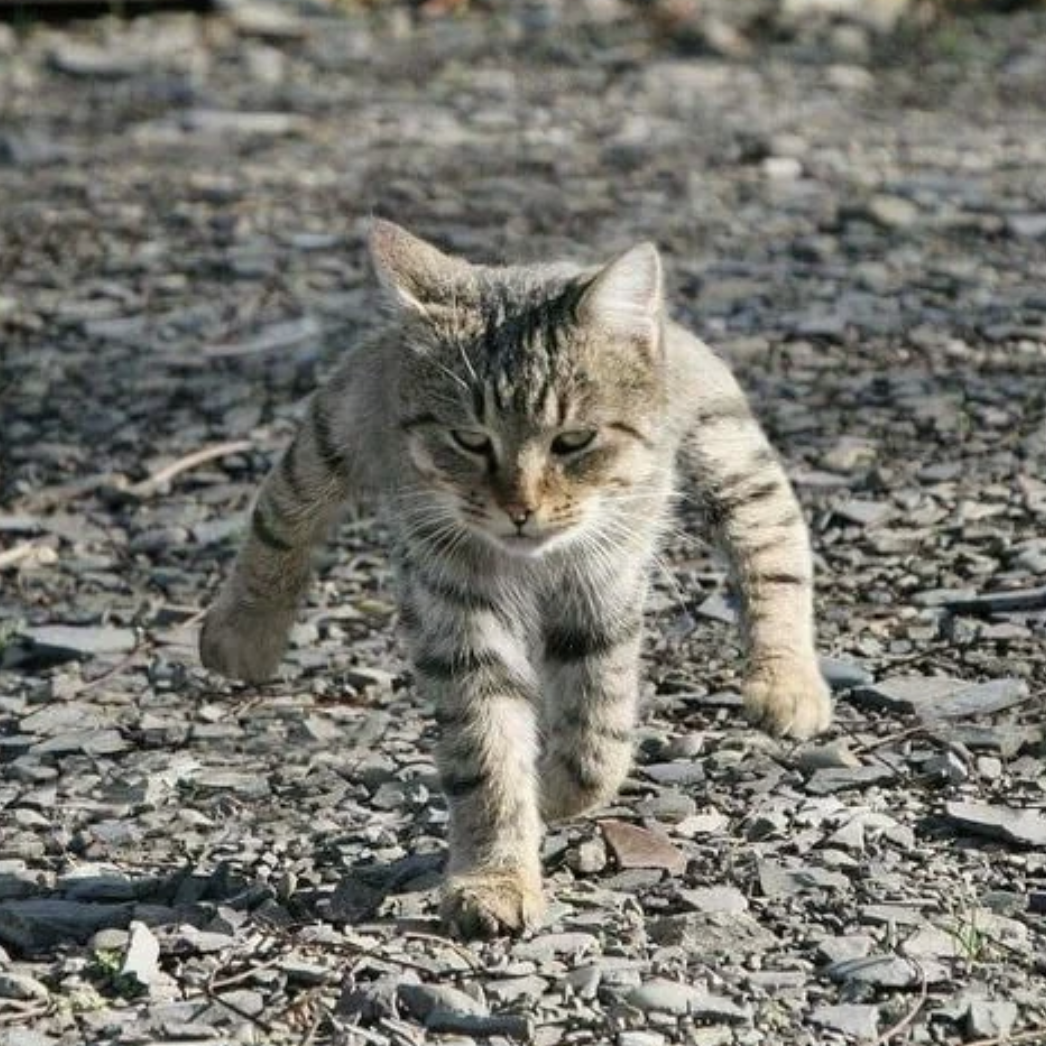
(526, 364)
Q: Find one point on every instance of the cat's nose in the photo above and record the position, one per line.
(518, 513)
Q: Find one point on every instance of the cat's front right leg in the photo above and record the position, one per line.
(469, 662)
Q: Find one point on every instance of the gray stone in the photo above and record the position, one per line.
(891, 914)
(892, 212)
(513, 989)
(669, 807)
(239, 124)
(16, 881)
(589, 857)
(842, 949)
(723, 900)
(991, 1019)
(82, 639)
(863, 513)
(97, 883)
(947, 766)
(663, 996)
(25, 1037)
(883, 971)
(678, 773)
(640, 1038)
(775, 880)
(506, 1025)
(1025, 827)
(21, 986)
(553, 945)
(36, 924)
(375, 1000)
(843, 675)
(857, 1021)
(61, 718)
(719, 607)
(141, 961)
(1001, 602)
(713, 934)
(930, 942)
(828, 782)
(1027, 226)
(834, 756)
(299, 971)
(422, 1000)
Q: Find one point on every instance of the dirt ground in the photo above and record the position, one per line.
(858, 224)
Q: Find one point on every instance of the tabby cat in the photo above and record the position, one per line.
(527, 430)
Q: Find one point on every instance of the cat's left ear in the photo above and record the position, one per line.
(627, 296)
(417, 275)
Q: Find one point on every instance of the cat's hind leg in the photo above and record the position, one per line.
(590, 674)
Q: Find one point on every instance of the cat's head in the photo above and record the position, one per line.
(530, 398)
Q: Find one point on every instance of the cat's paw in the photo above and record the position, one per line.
(788, 698)
(244, 643)
(492, 903)
(571, 787)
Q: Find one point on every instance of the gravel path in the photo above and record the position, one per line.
(859, 226)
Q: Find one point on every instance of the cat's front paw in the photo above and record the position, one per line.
(244, 642)
(492, 903)
(788, 698)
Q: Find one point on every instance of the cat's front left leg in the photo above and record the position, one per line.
(468, 661)
(591, 691)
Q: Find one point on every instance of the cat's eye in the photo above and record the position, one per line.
(571, 442)
(473, 442)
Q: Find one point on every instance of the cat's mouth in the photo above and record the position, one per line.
(527, 545)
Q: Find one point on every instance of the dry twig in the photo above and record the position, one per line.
(914, 1012)
(150, 485)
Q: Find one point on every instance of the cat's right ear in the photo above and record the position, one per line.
(416, 275)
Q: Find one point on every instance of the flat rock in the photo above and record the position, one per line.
(21, 986)
(713, 933)
(423, 1000)
(553, 945)
(986, 1019)
(39, 923)
(845, 948)
(938, 697)
(842, 675)
(726, 900)
(863, 513)
(883, 971)
(241, 124)
(775, 880)
(678, 773)
(844, 779)
(833, 756)
(860, 1022)
(931, 942)
(1026, 827)
(892, 212)
(635, 847)
(60, 718)
(1030, 226)
(141, 960)
(664, 996)
(82, 640)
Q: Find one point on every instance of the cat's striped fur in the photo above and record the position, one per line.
(527, 430)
